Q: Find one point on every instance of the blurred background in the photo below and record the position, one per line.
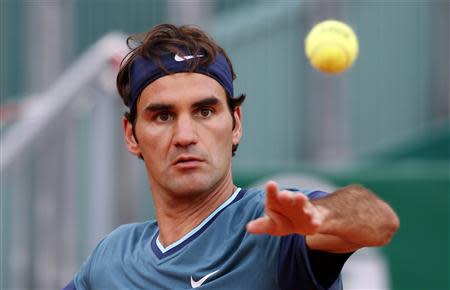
(67, 179)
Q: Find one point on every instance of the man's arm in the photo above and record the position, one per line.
(349, 219)
(353, 217)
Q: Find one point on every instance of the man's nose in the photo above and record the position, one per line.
(185, 132)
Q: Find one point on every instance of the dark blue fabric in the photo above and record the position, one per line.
(326, 266)
(144, 71)
(70, 286)
(294, 269)
(317, 194)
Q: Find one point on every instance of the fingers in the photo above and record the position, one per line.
(279, 200)
(286, 212)
(280, 225)
(291, 199)
(271, 191)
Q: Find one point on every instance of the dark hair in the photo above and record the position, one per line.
(168, 38)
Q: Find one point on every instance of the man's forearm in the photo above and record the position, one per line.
(355, 215)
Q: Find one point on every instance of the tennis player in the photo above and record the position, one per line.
(184, 121)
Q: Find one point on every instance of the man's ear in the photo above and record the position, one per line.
(237, 130)
(130, 140)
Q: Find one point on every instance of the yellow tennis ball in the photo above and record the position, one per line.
(331, 46)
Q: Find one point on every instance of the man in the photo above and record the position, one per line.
(184, 122)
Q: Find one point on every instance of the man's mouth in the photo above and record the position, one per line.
(187, 161)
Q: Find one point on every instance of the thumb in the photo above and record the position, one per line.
(261, 225)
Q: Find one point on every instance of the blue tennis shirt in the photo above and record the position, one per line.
(218, 254)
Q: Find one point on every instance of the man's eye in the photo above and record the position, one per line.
(206, 112)
(163, 117)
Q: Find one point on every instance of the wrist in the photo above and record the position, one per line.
(324, 217)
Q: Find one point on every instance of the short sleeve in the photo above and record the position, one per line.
(81, 280)
(82, 277)
(316, 194)
(70, 286)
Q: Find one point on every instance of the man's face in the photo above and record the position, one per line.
(184, 133)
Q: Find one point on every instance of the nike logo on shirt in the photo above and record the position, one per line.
(196, 284)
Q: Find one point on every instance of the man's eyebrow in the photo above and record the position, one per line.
(158, 107)
(210, 101)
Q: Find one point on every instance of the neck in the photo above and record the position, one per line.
(178, 216)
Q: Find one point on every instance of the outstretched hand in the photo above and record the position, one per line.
(286, 213)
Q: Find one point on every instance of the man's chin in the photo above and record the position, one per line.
(192, 185)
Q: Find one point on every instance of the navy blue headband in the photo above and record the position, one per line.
(144, 71)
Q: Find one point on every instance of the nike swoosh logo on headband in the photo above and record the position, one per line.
(186, 57)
